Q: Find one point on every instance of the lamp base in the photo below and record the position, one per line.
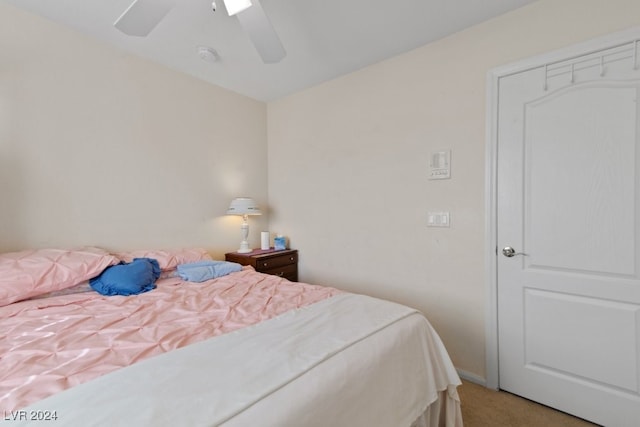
(244, 248)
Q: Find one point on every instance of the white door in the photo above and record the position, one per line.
(568, 204)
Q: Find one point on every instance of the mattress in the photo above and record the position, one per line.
(243, 349)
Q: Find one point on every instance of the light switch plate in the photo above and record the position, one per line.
(438, 219)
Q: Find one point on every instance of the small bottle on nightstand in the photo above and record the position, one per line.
(279, 242)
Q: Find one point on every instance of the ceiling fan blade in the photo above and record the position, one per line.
(142, 16)
(264, 37)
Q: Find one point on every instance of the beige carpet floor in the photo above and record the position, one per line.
(482, 407)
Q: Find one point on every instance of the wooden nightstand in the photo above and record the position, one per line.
(283, 263)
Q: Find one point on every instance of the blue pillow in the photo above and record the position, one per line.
(131, 278)
(206, 270)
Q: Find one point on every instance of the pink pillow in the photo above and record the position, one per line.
(35, 272)
(168, 259)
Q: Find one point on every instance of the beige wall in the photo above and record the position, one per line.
(348, 166)
(99, 147)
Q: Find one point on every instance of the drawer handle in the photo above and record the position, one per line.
(292, 259)
(281, 274)
(265, 264)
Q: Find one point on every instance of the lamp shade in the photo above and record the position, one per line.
(243, 206)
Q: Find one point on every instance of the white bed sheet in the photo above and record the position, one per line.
(368, 363)
(400, 376)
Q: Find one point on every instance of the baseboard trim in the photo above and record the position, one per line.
(472, 378)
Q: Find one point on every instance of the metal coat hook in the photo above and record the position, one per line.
(572, 79)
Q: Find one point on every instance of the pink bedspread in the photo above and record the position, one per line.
(52, 344)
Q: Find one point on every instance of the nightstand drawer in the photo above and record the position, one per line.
(282, 263)
(267, 263)
(289, 272)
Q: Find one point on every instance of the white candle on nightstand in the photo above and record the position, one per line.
(264, 240)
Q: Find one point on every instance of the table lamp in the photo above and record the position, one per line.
(244, 206)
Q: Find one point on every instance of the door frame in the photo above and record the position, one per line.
(492, 362)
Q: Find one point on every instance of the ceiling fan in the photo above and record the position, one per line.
(142, 16)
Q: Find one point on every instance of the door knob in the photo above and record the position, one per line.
(509, 252)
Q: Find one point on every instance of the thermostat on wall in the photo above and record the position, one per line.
(440, 165)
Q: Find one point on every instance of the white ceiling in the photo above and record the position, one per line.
(323, 39)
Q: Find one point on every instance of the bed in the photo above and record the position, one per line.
(240, 349)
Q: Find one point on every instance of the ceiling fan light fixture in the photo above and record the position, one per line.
(236, 6)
